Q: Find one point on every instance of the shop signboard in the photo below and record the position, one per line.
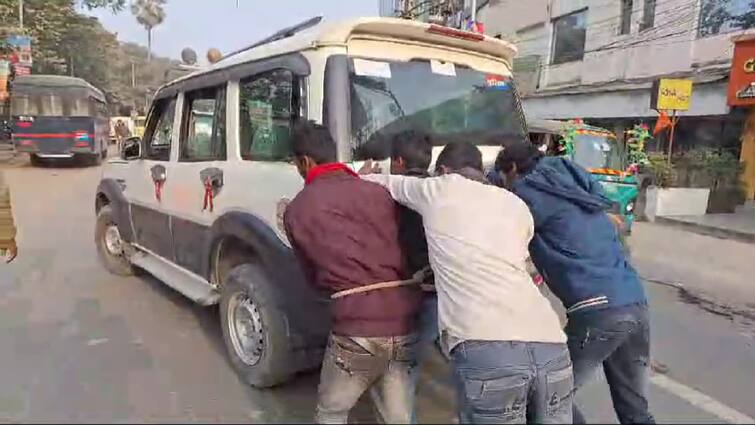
(742, 78)
(671, 94)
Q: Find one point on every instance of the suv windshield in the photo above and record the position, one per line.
(451, 102)
(597, 151)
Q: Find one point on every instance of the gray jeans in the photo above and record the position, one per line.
(352, 365)
(513, 382)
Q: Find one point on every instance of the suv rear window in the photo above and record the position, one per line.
(451, 102)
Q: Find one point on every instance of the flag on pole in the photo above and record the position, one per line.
(663, 123)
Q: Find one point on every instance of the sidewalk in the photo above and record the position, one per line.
(738, 226)
(717, 270)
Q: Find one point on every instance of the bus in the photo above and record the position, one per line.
(54, 116)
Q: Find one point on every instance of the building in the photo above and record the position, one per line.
(597, 59)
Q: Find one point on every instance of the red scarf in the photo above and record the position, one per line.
(323, 169)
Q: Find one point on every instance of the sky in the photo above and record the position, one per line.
(203, 24)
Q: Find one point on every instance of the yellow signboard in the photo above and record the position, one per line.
(672, 94)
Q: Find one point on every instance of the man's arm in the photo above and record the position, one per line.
(305, 264)
(413, 192)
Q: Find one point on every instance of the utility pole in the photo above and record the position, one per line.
(133, 74)
(474, 12)
(21, 13)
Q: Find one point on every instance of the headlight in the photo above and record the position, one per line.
(630, 207)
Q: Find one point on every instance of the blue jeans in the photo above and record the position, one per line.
(428, 325)
(513, 382)
(619, 340)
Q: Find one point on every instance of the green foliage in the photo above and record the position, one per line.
(566, 145)
(638, 136)
(67, 42)
(663, 173)
(709, 168)
(114, 5)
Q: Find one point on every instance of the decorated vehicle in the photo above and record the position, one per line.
(597, 150)
(198, 200)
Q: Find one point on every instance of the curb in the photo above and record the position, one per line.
(708, 230)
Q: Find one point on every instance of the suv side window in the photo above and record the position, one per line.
(268, 105)
(159, 131)
(203, 126)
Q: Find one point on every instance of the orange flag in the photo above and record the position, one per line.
(663, 123)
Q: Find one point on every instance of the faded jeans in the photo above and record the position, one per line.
(619, 340)
(513, 382)
(353, 365)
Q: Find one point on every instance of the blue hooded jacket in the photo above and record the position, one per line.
(576, 247)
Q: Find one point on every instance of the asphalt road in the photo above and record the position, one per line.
(78, 344)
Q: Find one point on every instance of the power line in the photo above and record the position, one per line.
(609, 22)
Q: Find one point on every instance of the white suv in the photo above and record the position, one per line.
(198, 201)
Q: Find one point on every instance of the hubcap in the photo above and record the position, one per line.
(246, 329)
(113, 241)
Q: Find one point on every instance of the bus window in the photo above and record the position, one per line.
(22, 104)
(52, 105)
(79, 107)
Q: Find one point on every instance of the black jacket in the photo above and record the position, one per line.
(412, 235)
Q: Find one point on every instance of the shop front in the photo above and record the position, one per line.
(741, 96)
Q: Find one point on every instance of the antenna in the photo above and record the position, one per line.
(280, 35)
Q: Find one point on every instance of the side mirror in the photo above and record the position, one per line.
(132, 148)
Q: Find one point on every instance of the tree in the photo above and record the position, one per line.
(149, 13)
(747, 19)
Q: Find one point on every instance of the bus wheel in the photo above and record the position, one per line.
(96, 159)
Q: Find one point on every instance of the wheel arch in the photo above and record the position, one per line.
(110, 192)
(237, 238)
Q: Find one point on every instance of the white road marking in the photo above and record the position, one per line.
(700, 400)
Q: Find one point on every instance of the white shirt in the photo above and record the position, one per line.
(477, 238)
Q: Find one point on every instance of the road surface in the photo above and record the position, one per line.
(78, 344)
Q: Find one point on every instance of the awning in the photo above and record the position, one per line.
(623, 100)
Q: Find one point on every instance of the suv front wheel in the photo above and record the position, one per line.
(110, 245)
(254, 328)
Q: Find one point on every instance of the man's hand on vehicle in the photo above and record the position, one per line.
(370, 168)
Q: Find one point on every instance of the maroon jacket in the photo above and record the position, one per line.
(344, 232)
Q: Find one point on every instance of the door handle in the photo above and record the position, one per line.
(212, 180)
(159, 175)
(212, 176)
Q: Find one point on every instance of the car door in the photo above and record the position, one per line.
(198, 175)
(151, 178)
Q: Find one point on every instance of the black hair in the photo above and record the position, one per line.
(313, 140)
(521, 153)
(460, 155)
(414, 147)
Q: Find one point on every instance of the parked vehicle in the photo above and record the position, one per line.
(597, 150)
(198, 201)
(139, 123)
(55, 116)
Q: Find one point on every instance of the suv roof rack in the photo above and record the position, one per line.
(280, 35)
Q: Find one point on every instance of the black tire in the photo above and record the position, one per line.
(116, 264)
(274, 364)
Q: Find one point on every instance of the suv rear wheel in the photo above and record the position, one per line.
(254, 328)
(110, 245)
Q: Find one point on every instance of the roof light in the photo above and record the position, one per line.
(453, 32)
